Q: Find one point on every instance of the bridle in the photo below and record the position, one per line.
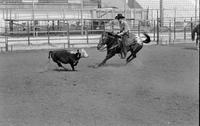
(102, 41)
(105, 38)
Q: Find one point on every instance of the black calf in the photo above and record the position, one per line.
(65, 57)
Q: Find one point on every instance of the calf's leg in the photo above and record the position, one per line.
(72, 66)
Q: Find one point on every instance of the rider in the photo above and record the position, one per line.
(124, 33)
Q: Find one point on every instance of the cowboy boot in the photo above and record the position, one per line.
(123, 54)
(124, 50)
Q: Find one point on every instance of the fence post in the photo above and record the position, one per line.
(28, 32)
(58, 25)
(68, 35)
(48, 32)
(158, 31)
(87, 35)
(174, 29)
(6, 37)
(84, 27)
(139, 28)
(184, 30)
(154, 30)
(170, 34)
(191, 27)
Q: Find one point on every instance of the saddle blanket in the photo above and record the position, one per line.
(133, 39)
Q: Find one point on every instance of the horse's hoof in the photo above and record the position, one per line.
(96, 66)
(127, 62)
(99, 65)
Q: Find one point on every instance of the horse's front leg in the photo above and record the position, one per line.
(108, 56)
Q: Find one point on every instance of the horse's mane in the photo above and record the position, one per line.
(110, 33)
(112, 38)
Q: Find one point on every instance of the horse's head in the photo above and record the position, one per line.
(105, 38)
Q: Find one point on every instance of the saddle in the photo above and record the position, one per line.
(132, 39)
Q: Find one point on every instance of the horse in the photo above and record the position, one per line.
(197, 31)
(109, 41)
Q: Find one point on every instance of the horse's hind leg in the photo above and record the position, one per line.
(134, 50)
(131, 57)
(197, 43)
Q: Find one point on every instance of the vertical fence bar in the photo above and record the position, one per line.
(104, 27)
(82, 17)
(112, 27)
(158, 29)
(48, 32)
(174, 29)
(139, 28)
(68, 35)
(158, 32)
(184, 30)
(154, 30)
(170, 33)
(191, 27)
(28, 32)
(6, 37)
(84, 27)
(87, 35)
(58, 25)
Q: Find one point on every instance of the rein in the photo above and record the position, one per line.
(110, 42)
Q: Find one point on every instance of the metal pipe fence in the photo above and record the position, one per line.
(67, 33)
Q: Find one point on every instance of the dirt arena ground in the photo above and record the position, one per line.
(158, 88)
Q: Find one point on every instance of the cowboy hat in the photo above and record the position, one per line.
(119, 16)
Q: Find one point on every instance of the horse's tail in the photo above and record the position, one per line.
(50, 52)
(148, 39)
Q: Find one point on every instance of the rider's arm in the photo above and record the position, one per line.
(125, 28)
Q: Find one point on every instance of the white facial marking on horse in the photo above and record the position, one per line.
(84, 53)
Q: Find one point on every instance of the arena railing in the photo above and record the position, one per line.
(71, 33)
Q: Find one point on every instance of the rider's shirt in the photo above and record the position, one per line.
(123, 27)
